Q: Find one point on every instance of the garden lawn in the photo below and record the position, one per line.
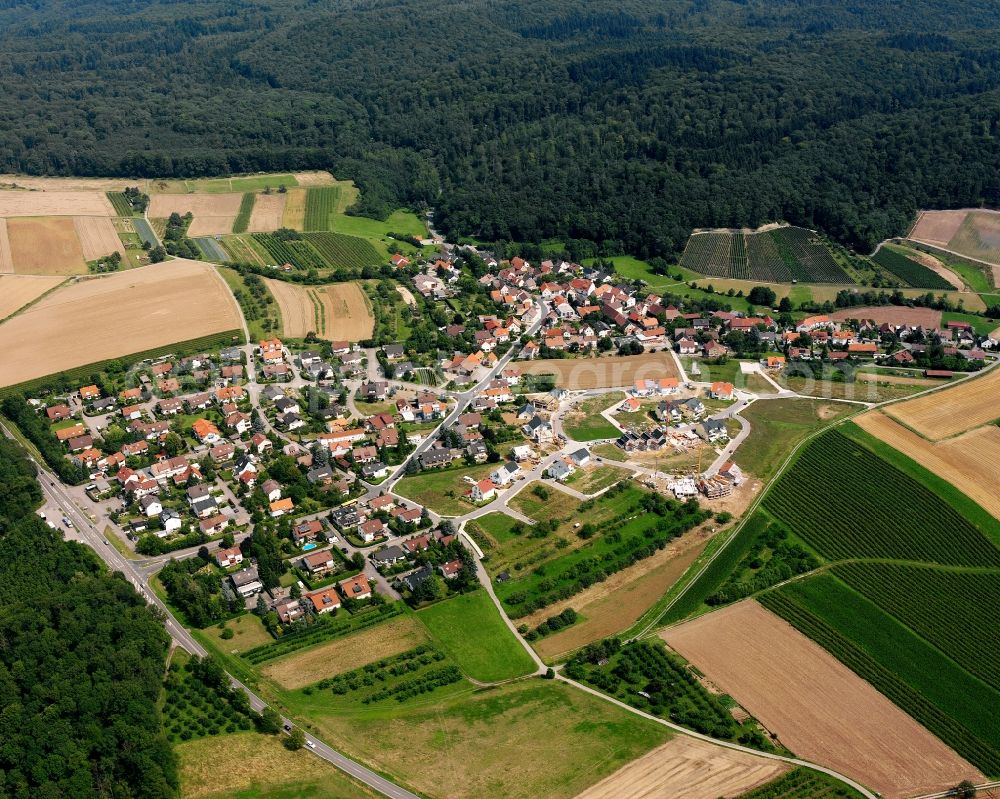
(469, 629)
(442, 490)
(248, 632)
(585, 422)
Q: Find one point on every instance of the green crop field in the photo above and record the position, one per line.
(585, 423)
(775, 256)
(909, 271)
(802, 783)
(322, 204)
(296, 252)
(120, 203)
(829, 496)
(242, 221)
(956, 610)
(922, 680)
(469, 629)
(341, 251)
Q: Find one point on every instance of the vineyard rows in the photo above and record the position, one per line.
(296, 252)
(948, 729)
(120, 203)
(909, 271)
(776, 256)
(321, 206)
(847, 502)
(954, 611)
(242, 221)
(349, 252)
(801, 783)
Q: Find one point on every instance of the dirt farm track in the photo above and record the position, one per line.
(819, 708)
(99, 318)
(689, 768)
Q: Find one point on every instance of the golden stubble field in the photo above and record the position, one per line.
(97, 236)
(338, 312)
(267, 212)
(45, 246)
(16, 291)
(108, 317)
(54, 203)
(213, 213)
(942, 414)
(689, 768)
(819, 708)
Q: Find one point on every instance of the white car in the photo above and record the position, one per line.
(311, 744)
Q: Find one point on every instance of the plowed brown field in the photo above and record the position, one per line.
(689, 768)
(892, 315)
(937, 227)
(119, 314)
(213, 213)
(267, 213)
(584, 373)
(54, 203)
(97, 236)
(970, 403)
(969, 462)
(45, 246)
(819, 708)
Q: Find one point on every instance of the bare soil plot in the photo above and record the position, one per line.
(54, 203)
(6, 259)
(891, 314)
(818, 707)
(98, 236)
(347, 314)
(343, 654)
(937, 227)
(618, 602)
(213, 213)
(119, 314)
(940, 414)
(294, 213)
(585, 373)
(969, 462)
(16, 291)
(267, 213)
(690, 768)
(45, 246)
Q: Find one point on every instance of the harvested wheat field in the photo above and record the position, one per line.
(819, 708)
(979, 236)
(892, 315)
(6, 259)
(937, 227)
(54, 203)
(969, 462)
(213, 213)
(690, 768)
(45, 246)
(940, 414)
(351, 652)
(347, 313)
(16, 291)
(41, 183)
(294, 213)
(97, 236)
(267, 212)
(584, 373)
(154, 305)
(298, 311)
(617, 603)
(316, 178)
(899, 380)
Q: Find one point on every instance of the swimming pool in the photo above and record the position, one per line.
(307, 547)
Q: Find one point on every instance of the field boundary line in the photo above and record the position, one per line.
(37, 299)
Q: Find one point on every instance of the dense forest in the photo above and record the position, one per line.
(626, 123)
(81, 664)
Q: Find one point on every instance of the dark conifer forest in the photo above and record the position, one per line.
(626, 123)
